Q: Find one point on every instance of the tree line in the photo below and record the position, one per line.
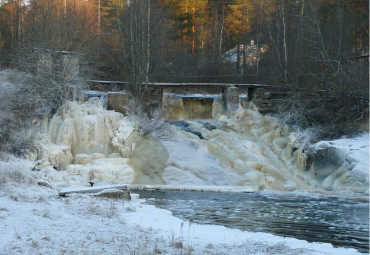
(303, 44)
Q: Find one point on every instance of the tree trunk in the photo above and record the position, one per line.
(238, 61)
(285, 44)
(147, 47)
(222, 30)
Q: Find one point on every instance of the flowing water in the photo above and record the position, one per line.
(342, 221)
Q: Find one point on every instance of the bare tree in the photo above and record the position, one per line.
(332, 87)
(52, 35)
(142, 35)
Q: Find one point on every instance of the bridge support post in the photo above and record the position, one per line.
(231, 97)
(118, 101)
(252, 94)
(153, 101)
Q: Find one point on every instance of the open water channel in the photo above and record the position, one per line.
(342, 221)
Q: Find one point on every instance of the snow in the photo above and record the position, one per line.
(197, 95)
(95, 189)
(35, 220)
(192, 164)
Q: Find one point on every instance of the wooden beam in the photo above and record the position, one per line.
(86, 190)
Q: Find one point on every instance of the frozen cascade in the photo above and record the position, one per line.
(88, 143)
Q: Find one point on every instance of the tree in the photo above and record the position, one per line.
(329, 61)
(57, 37)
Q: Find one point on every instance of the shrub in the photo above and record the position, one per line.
(15, 171)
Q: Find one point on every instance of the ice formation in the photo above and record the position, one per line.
(89, 143)
(86, 143)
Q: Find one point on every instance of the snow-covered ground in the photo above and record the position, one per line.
(35, 220)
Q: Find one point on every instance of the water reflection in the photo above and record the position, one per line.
(344, 222)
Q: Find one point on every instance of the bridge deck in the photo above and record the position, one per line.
(184, 85)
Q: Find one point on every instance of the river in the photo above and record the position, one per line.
(341, 221)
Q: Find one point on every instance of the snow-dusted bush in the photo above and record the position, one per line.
(303, 138)
(15, 172)
(145, 124)
(16, 113)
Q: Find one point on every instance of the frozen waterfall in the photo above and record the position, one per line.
(87, 143)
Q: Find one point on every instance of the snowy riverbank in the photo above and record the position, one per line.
(35, 220)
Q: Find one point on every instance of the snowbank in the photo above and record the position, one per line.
(36, 221)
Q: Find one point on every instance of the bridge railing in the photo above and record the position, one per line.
(182, 85)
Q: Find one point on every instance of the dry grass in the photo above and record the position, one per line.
(15, 172)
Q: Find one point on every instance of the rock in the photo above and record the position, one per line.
(44, 184)
(36, 168)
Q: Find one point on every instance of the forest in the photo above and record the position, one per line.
(305, 45)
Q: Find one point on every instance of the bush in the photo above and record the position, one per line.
(15, 171)
(16, 114)
(148, 123)
(335, 108)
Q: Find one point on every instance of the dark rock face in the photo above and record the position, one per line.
(326, 161)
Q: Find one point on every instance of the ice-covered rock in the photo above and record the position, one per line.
(111, 170)
(83, 159)
(124, 137)
(58, 156)
(149, 159)
(342, 164)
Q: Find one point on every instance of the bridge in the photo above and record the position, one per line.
(266, 97)
(179, 84)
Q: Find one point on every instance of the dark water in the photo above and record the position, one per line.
(342, 221)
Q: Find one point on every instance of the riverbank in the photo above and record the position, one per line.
(35, 220)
